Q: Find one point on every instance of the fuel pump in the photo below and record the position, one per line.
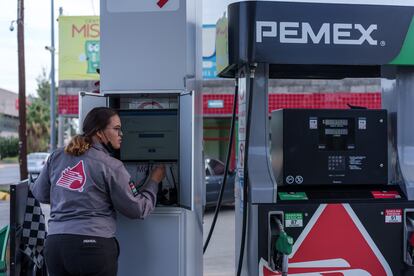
(335, 185)
(153, 80)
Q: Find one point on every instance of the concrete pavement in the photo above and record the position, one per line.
(4, 213)
(9, 174)
(219, 259)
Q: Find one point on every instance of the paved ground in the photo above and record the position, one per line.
(219, 258)
(4, 213)
(9, 173)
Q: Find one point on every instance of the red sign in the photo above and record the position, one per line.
(386, 194)
(334, 242)
(16, 103)
(161, 3)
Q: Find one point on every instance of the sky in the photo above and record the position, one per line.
(37, 33)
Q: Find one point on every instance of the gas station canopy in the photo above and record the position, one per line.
(325, 41)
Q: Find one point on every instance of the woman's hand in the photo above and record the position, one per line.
(158, 173)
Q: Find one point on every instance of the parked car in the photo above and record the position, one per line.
(214, 180)
(35, 162)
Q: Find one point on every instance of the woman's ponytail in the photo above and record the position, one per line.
(78, 145)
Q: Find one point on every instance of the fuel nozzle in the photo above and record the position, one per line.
(282, 248)
(284, 243)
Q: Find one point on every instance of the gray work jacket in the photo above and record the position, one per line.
(85, 191)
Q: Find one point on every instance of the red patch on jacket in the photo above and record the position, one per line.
(73, 178)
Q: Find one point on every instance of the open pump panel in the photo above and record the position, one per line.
(150, 136)
(157, 128)
(150, 125)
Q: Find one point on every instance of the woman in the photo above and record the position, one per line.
(85, 186)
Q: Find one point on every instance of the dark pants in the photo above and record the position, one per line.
(68, 255)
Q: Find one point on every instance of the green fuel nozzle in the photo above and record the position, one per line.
(284, 243)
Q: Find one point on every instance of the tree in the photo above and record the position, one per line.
(38, 116)
(43, 87)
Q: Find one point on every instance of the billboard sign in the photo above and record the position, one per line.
(209, 52)
(79, 49)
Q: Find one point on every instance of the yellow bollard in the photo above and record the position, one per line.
(4, 196)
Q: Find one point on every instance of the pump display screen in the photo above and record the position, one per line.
(336, 134)
(149, 135)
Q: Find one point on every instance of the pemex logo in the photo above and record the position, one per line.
(333, 243)
(73, 178)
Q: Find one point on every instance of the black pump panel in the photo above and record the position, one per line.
(328, 146)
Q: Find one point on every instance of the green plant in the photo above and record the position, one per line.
(37, 122)
(38, 116)
(9, 147)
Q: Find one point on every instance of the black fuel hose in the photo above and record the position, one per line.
(226, 169)
(246, 173)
